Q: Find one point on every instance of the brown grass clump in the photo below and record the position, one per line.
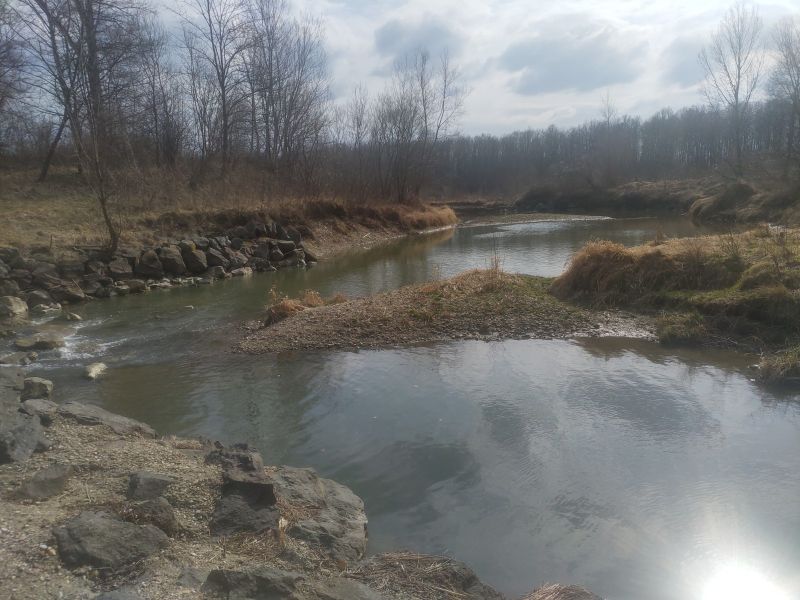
(782, 367)
(282, 307)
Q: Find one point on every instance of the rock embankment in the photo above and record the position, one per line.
(41, 280)
(96, 506)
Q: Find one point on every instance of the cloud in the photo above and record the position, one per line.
(395, 38)
(572, 55)
(682, 65)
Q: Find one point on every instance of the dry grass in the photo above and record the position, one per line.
(781, 367)
(156, 205)
(733, 286)
(421, 577)
(282, 307)
(561, 592)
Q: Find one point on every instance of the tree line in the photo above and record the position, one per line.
(243, 86)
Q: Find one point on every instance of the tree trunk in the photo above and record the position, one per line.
(51, 150)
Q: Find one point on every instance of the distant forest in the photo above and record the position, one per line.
(241, 90)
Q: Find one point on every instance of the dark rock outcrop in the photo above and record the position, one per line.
(339, 524)
(262, 583)
(21, 434)
(172, 261)
(195, 261)
(157, 512)
(120, 268)
(36, 387)
(98, 539)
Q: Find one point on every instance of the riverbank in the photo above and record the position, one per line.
(735, 290)
(480, 304)
(95, 505)
(708, 200)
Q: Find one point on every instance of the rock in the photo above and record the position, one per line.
(121, 289)
(20, 436)
(36, 387)
(70, 316)
(123, 593)
(95, 370)
(46, 309)
(144, 485)
(11, 306)
(37, 297)
(157, 512)
(275, 255)
(247, 500)
(98, 268)
(236, 259)
(202, 243)
(216, 272)
(39, 341)
(263, 250)
(222, 241)
(280, 232)
(8, 287)
(68, 291)
(256, 229)
(215, 258)
(339, 525)
(260, 583)
(195, 261)
(19, 358)
(91, 285)
(45, 483)
(46, 410)
(8, 254)
(149, 265)
(4, 269)
(242, 272)
(262, 265)
(187, 246)
(120, 268)
(86, 414)
(192, 577)
(100, 540)
(309, 256)
(237, 243)
(294, 235)
(172, 261)
(286, 246)
(136, 286)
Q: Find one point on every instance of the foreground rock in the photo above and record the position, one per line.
(21, 434)
(265, 583)
(98, 539)
(45, 483)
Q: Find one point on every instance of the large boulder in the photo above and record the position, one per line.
(172, 261)
(247, 505)
(37, 297)
(195, 261)
(338, 526)
(86, 414)
(149, 265)
(11, 306)
(46, 410)
(45, 483)
(98, 539)
(286, 246)
(215, 258)
(120, 268)
(8, 287)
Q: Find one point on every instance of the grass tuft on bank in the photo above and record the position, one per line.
(729, 289)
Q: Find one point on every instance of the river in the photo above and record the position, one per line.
(634, 470)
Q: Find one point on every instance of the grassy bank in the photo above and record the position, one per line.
(740, 290)
(61, 213)
(480, 304)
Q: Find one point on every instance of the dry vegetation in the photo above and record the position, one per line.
(733, 288)
(479, 304)
(62, 212)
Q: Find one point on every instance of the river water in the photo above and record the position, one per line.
(635, 470)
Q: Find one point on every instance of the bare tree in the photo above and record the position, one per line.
(219, 35)
(11, 59)
(732, 63)
(785, 80)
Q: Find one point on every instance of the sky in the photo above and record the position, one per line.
(533, 63)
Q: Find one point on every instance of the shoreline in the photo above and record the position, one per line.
(95, 505)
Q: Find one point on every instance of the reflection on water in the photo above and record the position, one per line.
(617, 464)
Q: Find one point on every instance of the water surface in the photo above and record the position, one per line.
(616, 464)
